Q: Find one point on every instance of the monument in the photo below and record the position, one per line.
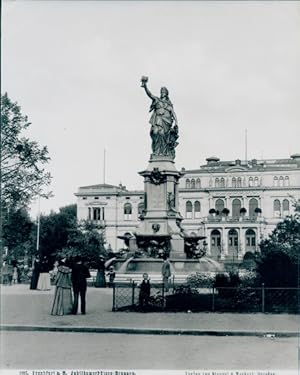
(160, 227)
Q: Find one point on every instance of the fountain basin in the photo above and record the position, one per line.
(133, 269)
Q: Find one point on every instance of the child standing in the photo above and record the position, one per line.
(111, 275)
(15, 275)
(145, 288)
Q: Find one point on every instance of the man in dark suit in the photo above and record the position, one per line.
(79, 275)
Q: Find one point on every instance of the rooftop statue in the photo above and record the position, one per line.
(163, 133)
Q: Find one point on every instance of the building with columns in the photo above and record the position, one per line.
(233, 203)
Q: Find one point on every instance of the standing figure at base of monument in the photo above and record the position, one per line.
(166, 272)
(164, 136)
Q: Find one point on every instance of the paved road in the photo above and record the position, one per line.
(49, 350)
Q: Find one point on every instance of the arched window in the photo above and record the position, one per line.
(219, 205)
(286, 181)
(277, 208)
(253, 204)
(236, 207)
(198, 183)
(233, 243)
(215, 243)
(217, 183)
(275, 181)
(250, 181)
(256, 181)
(189, 210)
(281, 181)
(193, 185)
(197, 209)
(239, 182)
(222, 182)
(188, 183)
(141, 208)
(250, 239)
(127, 211)
(233, 182)
(285, 207)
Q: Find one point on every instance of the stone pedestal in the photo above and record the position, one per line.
(161, 216)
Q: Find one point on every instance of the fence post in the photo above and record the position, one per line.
(114, 297)
(213, 299)
(133, 289)
(263, 297)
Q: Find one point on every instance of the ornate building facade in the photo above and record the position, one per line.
(233, 203)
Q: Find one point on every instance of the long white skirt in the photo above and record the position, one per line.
(44, 281)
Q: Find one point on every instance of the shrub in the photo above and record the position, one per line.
(225, 282)
(277, 270)
(201, 280)
(246, 299)
(248, 279)
(184, 298)
(250, 261)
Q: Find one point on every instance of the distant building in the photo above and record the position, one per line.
(112, 208)
(233, 203)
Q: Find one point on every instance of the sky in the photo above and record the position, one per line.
(74, 67)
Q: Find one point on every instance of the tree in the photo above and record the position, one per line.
(56, 229)
(280, 253)
(284, 238)
(276, 269)
(62, 236)
(85, 240)
(22, 161)
(17, 233)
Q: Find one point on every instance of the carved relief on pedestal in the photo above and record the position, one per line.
(156, 177)
(155, 227)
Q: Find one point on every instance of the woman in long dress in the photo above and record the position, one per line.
(35, 274)
(100, 278)
(44, 278)
(63, 303)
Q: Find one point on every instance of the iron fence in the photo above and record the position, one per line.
(221, 299)
(126, 296)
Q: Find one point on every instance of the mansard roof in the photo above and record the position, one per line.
(215, 165)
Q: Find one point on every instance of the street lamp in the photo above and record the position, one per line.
(38, 225)
(49, 195)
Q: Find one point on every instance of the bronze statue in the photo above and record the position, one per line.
(164, 136)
